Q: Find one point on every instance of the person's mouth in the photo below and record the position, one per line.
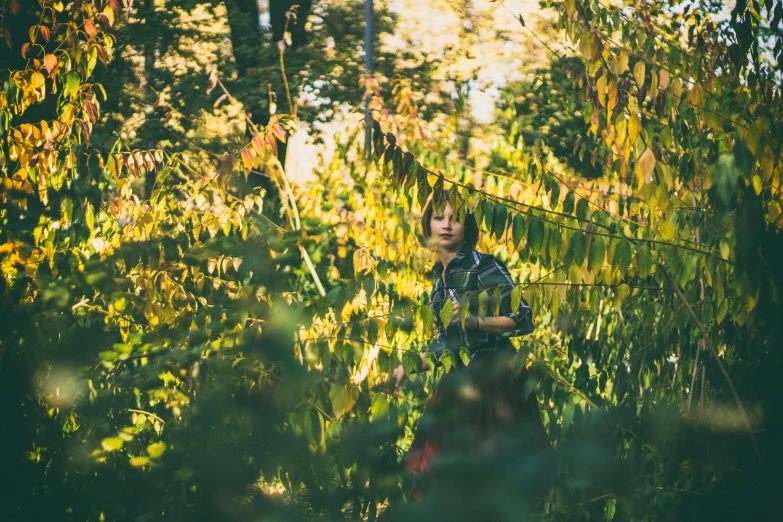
(446, 236)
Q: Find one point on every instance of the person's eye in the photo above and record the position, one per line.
(437, 218)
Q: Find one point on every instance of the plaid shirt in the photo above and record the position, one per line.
(471, 271)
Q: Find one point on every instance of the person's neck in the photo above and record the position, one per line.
(446, 256)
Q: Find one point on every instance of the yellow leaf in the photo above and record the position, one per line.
(767, 166)
(774, 212)
(663, 79)
(621, 63)
(646, 165)
(111, 444)
(37, 80)
(638, 73)
(677, 87)
(139, 461)
(601, 87)
(611, 101)
(156, 449)
(666, 230)
(696, 96)
(634, 126)
(756, 180)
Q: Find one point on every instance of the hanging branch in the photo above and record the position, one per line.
(715, 356)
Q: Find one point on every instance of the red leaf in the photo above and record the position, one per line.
(25, 47)
(89, 28)
(270, 139)
(45, 32)
(50, 62)
(85, 131)
(114, 4)
(279, 132)
(15, 8)
(89, 108)
(258, 144)
(102, 55)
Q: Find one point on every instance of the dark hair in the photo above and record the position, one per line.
(471, 227)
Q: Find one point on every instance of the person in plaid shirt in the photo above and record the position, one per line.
(466, 275)
(495, 410)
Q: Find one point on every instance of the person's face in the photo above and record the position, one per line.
(447, 233)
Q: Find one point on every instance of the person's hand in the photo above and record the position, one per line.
(455, 315)
(395, 378)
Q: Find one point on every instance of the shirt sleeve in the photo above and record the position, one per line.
(492, 273)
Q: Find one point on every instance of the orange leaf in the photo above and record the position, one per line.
(50, 63)
(89, 28)
(45, 32)
(25, 47)
(247, 157)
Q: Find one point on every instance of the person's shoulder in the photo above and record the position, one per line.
(484, 259)
(479, 260)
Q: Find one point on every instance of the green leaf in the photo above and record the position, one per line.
(497, 297)
(72, 82)
(597, 254)
(582, 209)
(343, 397)
(568, 202)
(725, 178)
(644, 260)
(622, 256)
(499, 220)
(427, 317)
(723, 309)
(568, 416)
(622, 293)
(611, 507)
(554, 194)
(487, 212)
(446, 312)
(379, 407)
(156, 449)
(518, 229)
(516, 298)
(464, 309)
(333, 295)
(535, 235)
(447, 360)
(577, 247)
(483, 299)
(438, 196)
(464, 355)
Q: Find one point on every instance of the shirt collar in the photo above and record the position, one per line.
(437, 268)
